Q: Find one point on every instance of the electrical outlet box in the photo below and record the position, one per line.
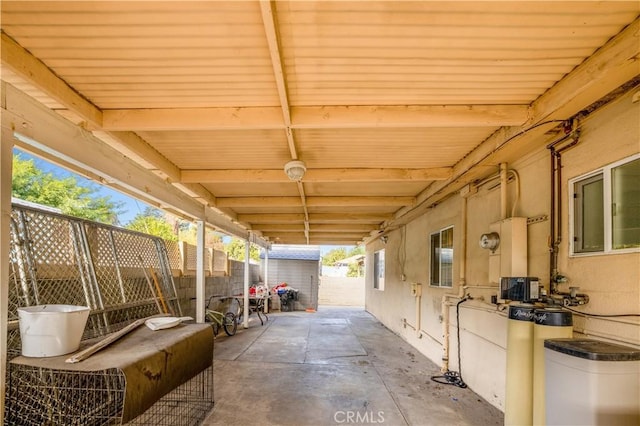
(509, 259)
(416, 289)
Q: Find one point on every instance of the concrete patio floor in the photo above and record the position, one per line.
(335, 366)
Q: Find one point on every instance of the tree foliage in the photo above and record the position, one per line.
(187, 232)
(333, 255)
(339, 253)
(235, 249)
(29, 183)
(152, 222)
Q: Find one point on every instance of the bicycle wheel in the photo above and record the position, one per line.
(229, 323)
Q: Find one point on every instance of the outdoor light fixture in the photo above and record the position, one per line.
(295, 170)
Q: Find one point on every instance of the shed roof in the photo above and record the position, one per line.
(293, 252)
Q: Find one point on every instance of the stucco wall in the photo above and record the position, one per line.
(611, 281)
(341, 291)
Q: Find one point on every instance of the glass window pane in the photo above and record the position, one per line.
(435, 259)
(589, 227)
(446, 258)
(625, 209)
(378, 270)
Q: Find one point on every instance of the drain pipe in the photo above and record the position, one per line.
(462, 286)
(572, 134)
(503, 191)
(418, 312)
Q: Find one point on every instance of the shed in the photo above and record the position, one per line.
(298, 266)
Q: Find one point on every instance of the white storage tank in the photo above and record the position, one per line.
(548, 323)
(589, 382)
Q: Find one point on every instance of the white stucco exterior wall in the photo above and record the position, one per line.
(611, 281)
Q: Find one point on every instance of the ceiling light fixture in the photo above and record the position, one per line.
(295, 170)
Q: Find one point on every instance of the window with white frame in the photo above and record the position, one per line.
(606, 209)
(441, 249)
(378, 270)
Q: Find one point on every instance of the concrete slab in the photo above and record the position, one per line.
(335, 366)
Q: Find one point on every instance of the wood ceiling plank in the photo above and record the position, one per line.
(193, 119)
(16, 58)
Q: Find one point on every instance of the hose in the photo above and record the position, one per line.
(454, 377)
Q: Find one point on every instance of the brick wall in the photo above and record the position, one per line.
(224, 285)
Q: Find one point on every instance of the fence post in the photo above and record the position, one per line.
(183, 257)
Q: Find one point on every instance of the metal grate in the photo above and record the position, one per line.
(187, 405)
(41, 396)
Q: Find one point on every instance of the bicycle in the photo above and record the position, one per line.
(217, 319)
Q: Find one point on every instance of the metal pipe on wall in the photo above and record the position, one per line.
(462, 285)
(503, 191)
(555, 217)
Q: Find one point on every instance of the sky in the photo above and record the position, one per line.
(130, 206)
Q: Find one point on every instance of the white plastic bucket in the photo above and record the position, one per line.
(51, 330)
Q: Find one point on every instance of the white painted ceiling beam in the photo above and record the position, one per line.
(316, 175)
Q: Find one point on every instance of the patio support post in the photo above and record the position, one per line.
(247, 250)
(200, 278)
(266, 279)
(6, 156)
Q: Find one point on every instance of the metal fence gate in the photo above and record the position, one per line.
(59, 259)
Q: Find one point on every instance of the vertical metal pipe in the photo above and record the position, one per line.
(503, 191)
(200, 279)
(266, 279)
(88, 294)
(28, 259)
(462, 258)
(552, 224)
(116, 262)
(247, 251)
